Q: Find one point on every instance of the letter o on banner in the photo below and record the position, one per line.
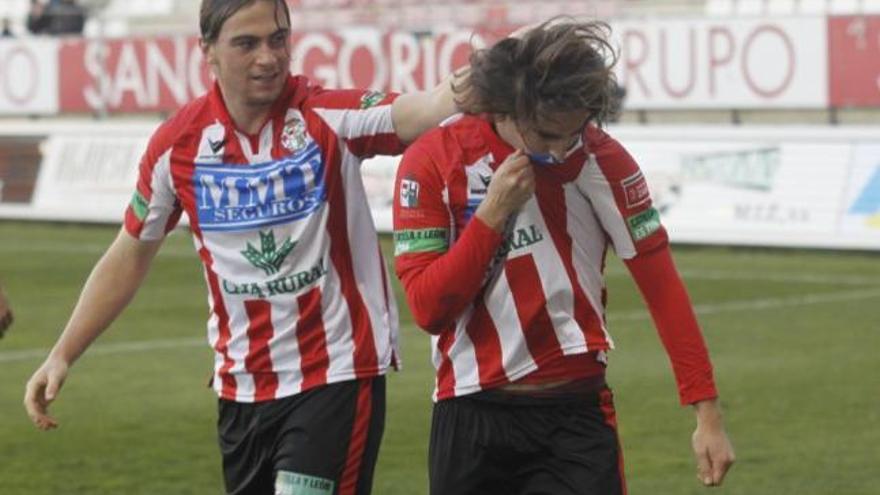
(361, 57)
(18, 64)
(768, 92)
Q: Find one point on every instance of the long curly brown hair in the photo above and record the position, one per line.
(559, 66)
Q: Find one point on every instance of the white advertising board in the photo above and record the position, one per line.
(861, 202)
(773, 187)
(720, 64)
(781, 186)
(88, 177)
(28, 77)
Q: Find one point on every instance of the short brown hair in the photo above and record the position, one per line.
(214, 13)
(559, 66)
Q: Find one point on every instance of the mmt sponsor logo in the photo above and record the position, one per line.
(245, 197)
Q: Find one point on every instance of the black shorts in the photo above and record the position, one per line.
(324, 441)
(494, 442)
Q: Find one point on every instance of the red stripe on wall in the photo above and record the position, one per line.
(358, 442)
(854, 61)
(259, 360)
(312, 339)
(531, 307)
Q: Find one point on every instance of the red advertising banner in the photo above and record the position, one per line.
(674, 64)
(161, 74)
(131, 75)
(854, 54)
(390, 61)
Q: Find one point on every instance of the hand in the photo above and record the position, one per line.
(513, 184)
(712, 448)
(42, 389)
(5, 314)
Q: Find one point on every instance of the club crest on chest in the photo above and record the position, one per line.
(294, 137)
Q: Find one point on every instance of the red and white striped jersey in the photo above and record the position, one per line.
(504, 306)
(299, 294)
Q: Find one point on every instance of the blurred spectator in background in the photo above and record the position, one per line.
(6, 32)
(57, 18)
(5, 313)
(36, 18)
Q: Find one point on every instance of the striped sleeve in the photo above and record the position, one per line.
(619, 193)
(361, 118)
(154, 209)
(441, 275)
(617, 189)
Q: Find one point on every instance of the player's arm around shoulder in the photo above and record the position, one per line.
(110, 287)
(416, 112)
(712, 447)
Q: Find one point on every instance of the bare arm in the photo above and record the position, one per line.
(414, 113)
(108, 290)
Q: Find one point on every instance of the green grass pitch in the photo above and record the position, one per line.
(794, 336)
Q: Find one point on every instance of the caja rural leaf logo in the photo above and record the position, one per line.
(269, 257)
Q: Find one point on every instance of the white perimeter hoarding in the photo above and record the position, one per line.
(780, 186)
(772, 187)
(28, 77)
(89, 173)
(861, 211)
(721, 64)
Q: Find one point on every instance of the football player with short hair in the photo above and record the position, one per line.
(303, 321)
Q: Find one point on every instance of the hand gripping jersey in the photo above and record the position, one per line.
(298, 290)
(502, 307)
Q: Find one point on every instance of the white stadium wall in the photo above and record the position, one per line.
(29, 77)
(710, 64)
(804, 187)
(799, 187)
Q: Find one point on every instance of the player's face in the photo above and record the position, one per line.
(251, 57)
(549, 140)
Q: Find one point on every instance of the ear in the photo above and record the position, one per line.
(208, 52)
